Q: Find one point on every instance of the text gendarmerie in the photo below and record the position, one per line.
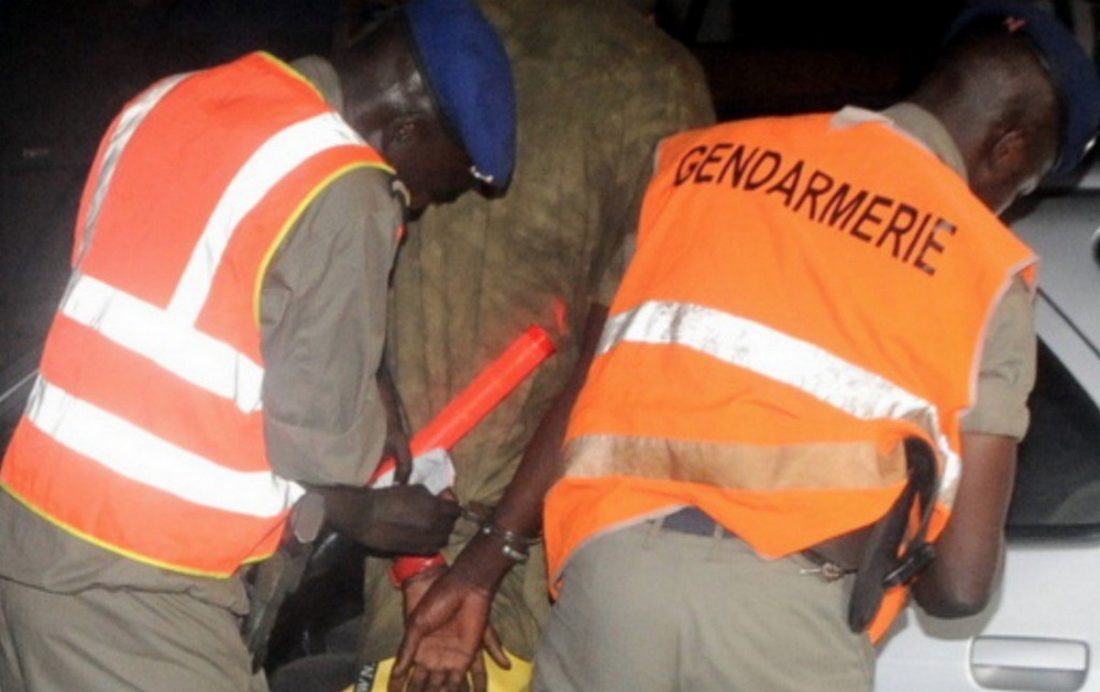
(912, 236)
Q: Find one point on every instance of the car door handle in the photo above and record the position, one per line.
(1029, 663)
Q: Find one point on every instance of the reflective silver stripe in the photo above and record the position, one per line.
(127, 124)
(783, 358)
(149, 331)
(279, 155)
(144, 458)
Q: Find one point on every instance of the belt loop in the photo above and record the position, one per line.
(652, 530)
(717, 539)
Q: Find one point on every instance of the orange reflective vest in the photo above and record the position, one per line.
(144, 430)
(804, 295)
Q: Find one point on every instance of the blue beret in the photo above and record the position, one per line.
(467, 70)
(1070, 69)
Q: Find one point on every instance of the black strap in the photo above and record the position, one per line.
(881, 567)
(274, 579)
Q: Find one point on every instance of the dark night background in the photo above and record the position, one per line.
(68, 66)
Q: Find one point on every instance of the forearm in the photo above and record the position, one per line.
(447, 614)
(397, 424)
(482, 563)
(960, 581)
(971, 547)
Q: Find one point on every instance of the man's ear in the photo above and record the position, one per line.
(1008, 154)
(1004, 167)
(402, 131)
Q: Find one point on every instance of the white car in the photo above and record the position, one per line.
(1043, 625)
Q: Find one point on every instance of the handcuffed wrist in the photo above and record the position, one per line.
(514, 546)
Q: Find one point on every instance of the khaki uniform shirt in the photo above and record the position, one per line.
(322, 326)
(597, 85)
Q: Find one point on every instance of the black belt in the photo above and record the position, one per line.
(881, 567)
(694, 521)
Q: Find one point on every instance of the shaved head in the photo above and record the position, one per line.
(995, 97)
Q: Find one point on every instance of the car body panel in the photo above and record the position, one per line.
(1043, 624)
(1050, 616)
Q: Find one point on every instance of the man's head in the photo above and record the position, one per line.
(1017, 93)
(430, 88)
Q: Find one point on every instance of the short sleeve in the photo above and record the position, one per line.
(1007, 371)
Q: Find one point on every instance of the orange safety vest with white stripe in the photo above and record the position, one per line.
(144, 430)
(804, 295)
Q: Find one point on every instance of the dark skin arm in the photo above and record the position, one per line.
(405, 519)
(448, 610)
(960, 581)
(397, 424)
(399, 519)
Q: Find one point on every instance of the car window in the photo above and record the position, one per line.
(1058, 476)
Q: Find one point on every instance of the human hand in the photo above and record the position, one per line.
(445, 626)
(404, 519)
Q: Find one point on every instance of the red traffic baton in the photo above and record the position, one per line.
(462, 414)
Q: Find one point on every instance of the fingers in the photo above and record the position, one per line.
(403, 468)
(405, 519)
(397, 680)
(406, 654)
(446, 511)
(422, 680)
(397, 425)
(418, 680)
(397, 446)
(449, 680)
(478, 675)
(432, 507)
(495, 648)
(439, 517)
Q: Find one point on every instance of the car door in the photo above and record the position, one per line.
(1042, 627)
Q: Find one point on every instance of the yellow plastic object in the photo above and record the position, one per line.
(517, 679)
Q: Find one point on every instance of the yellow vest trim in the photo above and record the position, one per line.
(293, 218)
(290, 71)
(116, 549)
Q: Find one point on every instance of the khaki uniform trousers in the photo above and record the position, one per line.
(646, 609)
(119, 640)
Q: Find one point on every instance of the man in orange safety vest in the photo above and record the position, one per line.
(214, 354)
(824, 331)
